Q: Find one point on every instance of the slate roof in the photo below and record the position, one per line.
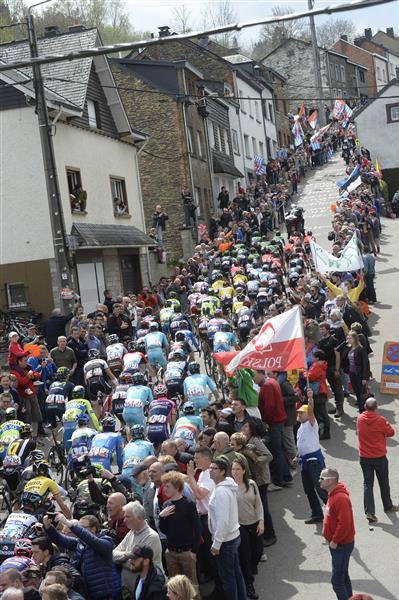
(221, 165)
(105, 236)
(78, 70)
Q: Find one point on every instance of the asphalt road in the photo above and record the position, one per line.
(299, 564)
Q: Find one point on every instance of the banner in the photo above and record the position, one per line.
(355, 184)
(390, 369)
(298, 134)
(350, 259)
(343, 183)
(279, 345)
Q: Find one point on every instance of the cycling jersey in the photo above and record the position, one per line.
(190, 339)
(103, 446)
(134, 454)
(81, 441)
(137, 397)
(118, 399)
(253, 287)
(73, 410)
(42, 486)
(237, 305)
(173, 302)
(224, 341)
(195, 390)
(187, 428)
(115, 353)
(239, 278)
(18, 449)
(207, 307)
(9, 431)
(20, 563)
(226, 293)
(133, 360)
(15, 528)
(95, 368)
(58, 394)
(218, 285)
(175, 371)
(178, 322)
(159, 415)
(155, 342)
(215, 325)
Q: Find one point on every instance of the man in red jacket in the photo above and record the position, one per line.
(373, 430)
(339, 531)
(271, 406)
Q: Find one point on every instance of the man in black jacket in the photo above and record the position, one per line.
(75, 342)
(54, 327)
(150, 585)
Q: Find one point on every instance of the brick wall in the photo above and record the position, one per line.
(361, 57)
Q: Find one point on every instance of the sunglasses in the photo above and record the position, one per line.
(321, 478)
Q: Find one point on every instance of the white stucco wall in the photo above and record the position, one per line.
(380, 137)
(25, 229)
(381, 71)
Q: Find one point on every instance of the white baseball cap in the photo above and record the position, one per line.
(11, 335)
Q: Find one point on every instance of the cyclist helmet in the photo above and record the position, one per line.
(251, 277)
(141, 346)
(172, 295)
(23, 547)
(138, 378)
(127, 376)
(177, 354)
(113, 339)
(93, 353)
(41, 468)
(11, 413)
(36, 456)
(62, 374)
(108, 422)
(180, 336)
(193, 367)
(159, 390)
(83, 418)
(169, 304)
(148, 311)
(154, 326)
(188, 408)
(132, 346)
(177, 309)
(25, 430)
(226, 327)
(78, 392)
(137, 432)
(30, 501)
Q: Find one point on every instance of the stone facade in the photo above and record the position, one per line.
(280, 105)
(361, 57)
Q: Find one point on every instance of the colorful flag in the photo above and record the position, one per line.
(298, 134)
(279, 345)
(302, 110)
(350, 259)
(312, 119)
(260, 168)
(344, 183)
(355, 184)
(348, 112)
(339, 106)
(378, 168)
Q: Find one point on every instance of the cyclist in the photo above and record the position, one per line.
(179, 321)
(135, 357)
(22, 558)
(156, 345)
(136, 451)
(161, 411)
(189, 337)
(73, 410)
(82, 437)
(97, 377)
(138, 397)
(38, 489)
(119, 394)
(226, 294)
(214, 325)
(165, 316)
(188, 426)
(115, 353)
(21, 447)
(245, 322)
(224, 340)
(10, 430)
(175, 372)
(195, 387)
(103, 445)
(58, 393)
(253, 286)
(173, 302)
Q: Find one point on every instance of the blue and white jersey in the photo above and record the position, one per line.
(137, 398)
(196, 390)
(155, 340)
(134, 454)
(224, 341)
(187, 428)
(103, 446)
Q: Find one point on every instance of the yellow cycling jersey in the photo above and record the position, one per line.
(77, 407)
(226, 293)
(217, 285)
(42, 486)
(9, 431)
(239, 279)
(237, 306)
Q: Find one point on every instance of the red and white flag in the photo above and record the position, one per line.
(279, 346)
(312, 119)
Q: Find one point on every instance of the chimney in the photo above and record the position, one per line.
(164, 31)
(390, 32)
(358, 41)
(368, 33)
(203, 41)
(76, 28)
(344, 37)
(51, 31)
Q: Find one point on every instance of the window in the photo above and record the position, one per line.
(254, 146)
(216, 136)
(242, 101)
(222, 140)
(257, 110)
(211, 135)
(339, 93)
(261, 149)
(343, 78)
(77, 196)
(392, 113)
(337, 72)
(362, 78)
(199, 144)
(271, 115)
(93, 111)
(190, 140)
(246, 146)
(226, 141)
(384, 75)
(119, 197)
(236, 147)
(269, 152)
(16, 295)
(197, 200)
(378, 73)
(250, 103)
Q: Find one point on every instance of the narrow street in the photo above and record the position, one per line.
(299, 565)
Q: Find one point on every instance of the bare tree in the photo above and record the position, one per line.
(331, 30)
(181, 18)
(219, 13)
(272, 35)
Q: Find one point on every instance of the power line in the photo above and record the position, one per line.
(103, 50)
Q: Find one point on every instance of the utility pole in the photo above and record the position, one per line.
(317, 70)
(61, 275)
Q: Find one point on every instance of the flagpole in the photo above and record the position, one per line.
(304, 348)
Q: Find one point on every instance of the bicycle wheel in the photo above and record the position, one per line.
(56, 463)
(208, 363)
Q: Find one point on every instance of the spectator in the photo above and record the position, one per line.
(223, 198)
(159, 219)
(116, 515)
(77, 344)
(179, 588)
(150, 585)
(54, 327)
(64, 356)
(108, 301)
(27, 393)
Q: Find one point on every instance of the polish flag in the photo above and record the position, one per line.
(279, 346)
